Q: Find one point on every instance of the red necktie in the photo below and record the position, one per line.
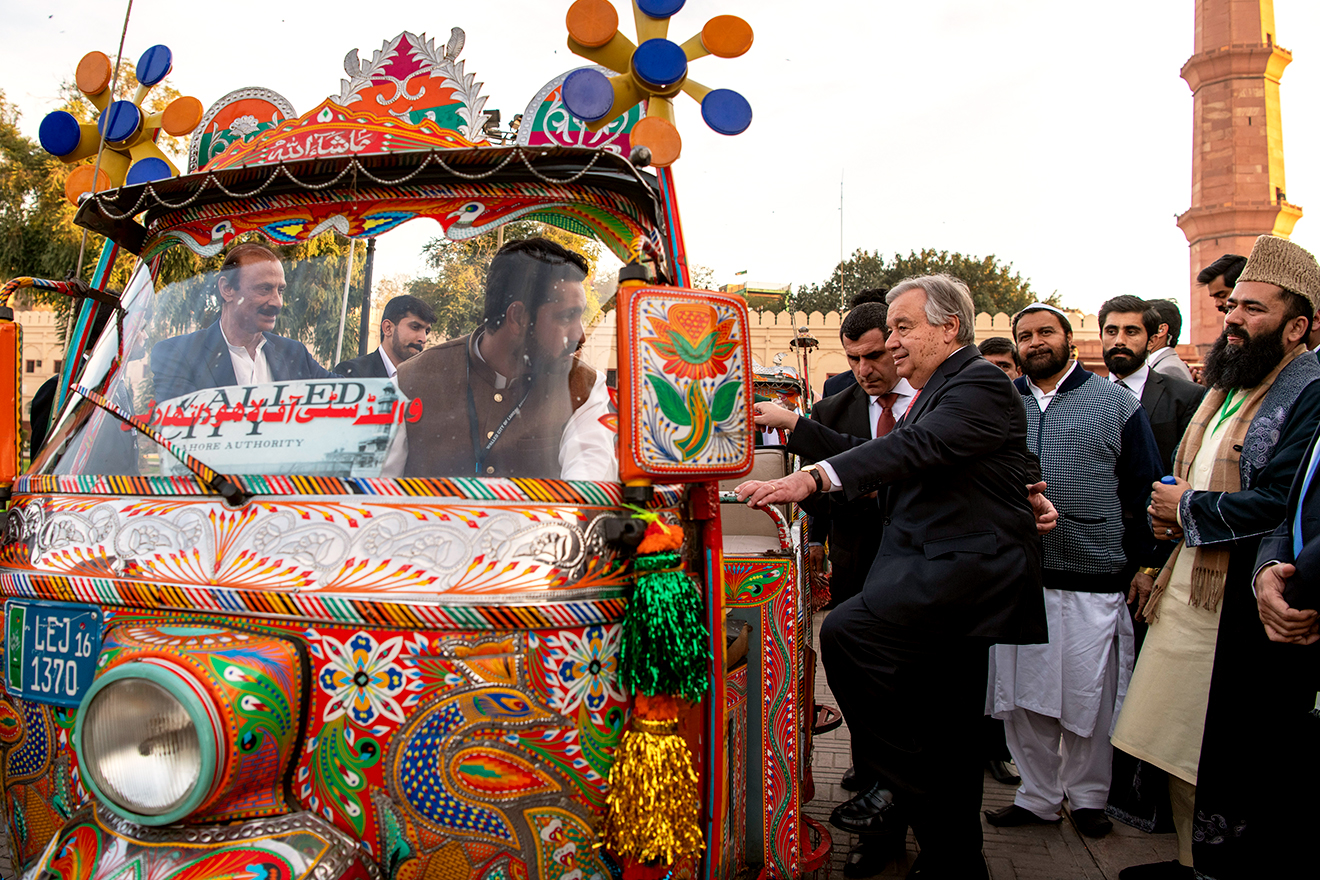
(885, 422)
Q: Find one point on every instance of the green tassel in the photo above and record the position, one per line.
(666, 648)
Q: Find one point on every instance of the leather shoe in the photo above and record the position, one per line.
(1012, 816)
(851, 781)
(868, 813)
(999, 770)
(1092, 822)
(1172, 870)
(874, 852)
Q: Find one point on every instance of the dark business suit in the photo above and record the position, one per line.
(958, 569)
(200, 359)
(838, 382)
(1169, 403)
(369, 366)
(853, 527)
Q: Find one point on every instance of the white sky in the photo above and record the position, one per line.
(1055, 135)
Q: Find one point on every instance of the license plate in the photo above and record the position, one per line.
(51, 650)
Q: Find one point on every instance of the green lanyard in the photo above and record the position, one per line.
(1226, 411)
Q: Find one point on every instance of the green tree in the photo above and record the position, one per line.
(995, 286)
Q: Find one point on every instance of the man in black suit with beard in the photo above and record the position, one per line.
(958, 570)
(404, 325)
(1126, 324)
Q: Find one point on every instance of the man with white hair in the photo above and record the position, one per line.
(958, 570)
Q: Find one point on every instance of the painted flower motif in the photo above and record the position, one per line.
(588, 668)
(611, 418)
(363, 679)
(693, 341)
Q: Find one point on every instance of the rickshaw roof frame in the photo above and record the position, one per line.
(113, 213)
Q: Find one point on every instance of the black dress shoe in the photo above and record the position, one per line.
(868, 813)
(851, 781)
(1092, 822)
(1012, 816)
(1172, 870)
(874, 852)
(999, 770)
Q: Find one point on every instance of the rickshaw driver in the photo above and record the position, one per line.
(525, 404)
(251, 286)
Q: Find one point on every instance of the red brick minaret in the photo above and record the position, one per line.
(1238, 189)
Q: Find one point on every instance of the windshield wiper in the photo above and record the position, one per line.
(228, 487)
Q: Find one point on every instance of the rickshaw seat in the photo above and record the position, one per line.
(749, 531)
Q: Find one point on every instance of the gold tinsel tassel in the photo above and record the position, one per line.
(653, 805)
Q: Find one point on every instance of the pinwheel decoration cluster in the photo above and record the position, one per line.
(130, 155)
(654, 70)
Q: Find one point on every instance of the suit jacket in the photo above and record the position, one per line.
(839, 382)
(1303, 588)
(369, 366)
(201, 360)
(959, 555)
(853, 527)
(1169, 403)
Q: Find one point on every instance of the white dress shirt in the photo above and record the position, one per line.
(905, 394)
(1136, 383)
(248, 370)
(1044, 398)
(390, 369)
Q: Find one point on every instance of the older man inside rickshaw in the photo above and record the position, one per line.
(512, 399)
(241, 347)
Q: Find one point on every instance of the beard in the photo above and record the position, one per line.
(1122, 361)
(1246, 365)
(1044, 364)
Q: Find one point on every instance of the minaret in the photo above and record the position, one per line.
(1238, 189)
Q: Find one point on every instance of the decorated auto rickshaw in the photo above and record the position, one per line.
(253, 629)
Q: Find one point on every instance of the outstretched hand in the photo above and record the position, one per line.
(772, 415)
(794, 487)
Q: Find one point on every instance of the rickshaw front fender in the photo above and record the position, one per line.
(97, 845)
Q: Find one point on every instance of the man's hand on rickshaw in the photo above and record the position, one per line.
(1046, 516)
(794, 487)
(772, 415)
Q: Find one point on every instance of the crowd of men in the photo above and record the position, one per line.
(1122, 569)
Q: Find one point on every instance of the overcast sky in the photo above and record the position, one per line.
(1054, 135)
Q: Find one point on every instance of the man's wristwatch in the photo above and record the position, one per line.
(816, 474)
(1150, 571)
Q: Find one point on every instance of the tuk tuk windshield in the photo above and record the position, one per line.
(499, 371)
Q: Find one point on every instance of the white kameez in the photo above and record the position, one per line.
(1065, 678)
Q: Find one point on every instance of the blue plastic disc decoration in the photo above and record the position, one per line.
(660, 8)
(120, 121)
(726, 111)
(660, 63)
(588, 94)
(147, 170)
(59, 133)
(154, 65)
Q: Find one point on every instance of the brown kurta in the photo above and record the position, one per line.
(440, 442)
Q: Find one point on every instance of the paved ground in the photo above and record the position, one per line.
(1036, 852)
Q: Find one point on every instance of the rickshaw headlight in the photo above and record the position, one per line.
(147, 742)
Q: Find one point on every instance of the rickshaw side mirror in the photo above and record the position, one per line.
(11, 399)
(685, 385)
